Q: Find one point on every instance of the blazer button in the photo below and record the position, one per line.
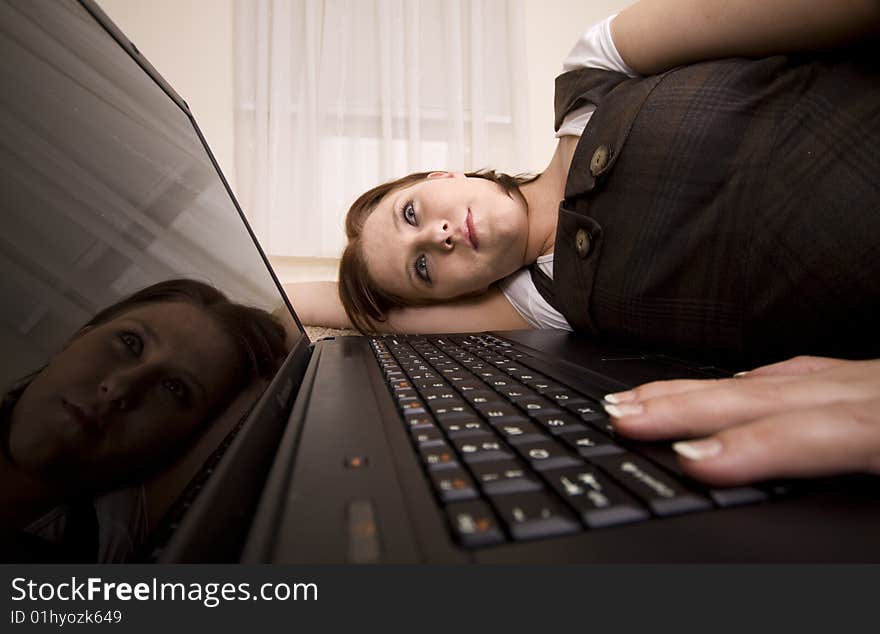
(583, 243)
(600, 160)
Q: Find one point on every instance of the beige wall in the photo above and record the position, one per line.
(552, 26)
(190, 42)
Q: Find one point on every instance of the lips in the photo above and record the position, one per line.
(85, 419)
(470, 232)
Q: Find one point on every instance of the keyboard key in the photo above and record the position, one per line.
(515, 390)
(405, 396)
(598, 501)
(489, 375)
(453, 484)
(474, 524)
(412, 407)
(588, 412)
(501, 382)
(589, 442)
(527, 376)
(664, 455)
(427, 437)
(543, 386)
(436, 384)
(451, 370)
(438, 457)
(661, 492)
(482, 448)
(418, 370)
(436, 395)
(517, 433)
(482, 396)
(453, 412)
(566, 398)
(505, 476)
(503, 413)
(559, 423)
(465, 428)
(534, 515)
(455, 378)
(547, 455)
(538, 405)
(423, 376)
(737, 496)
(418, 420)
(448, 405)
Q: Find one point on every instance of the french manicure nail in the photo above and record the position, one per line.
(740, 374)
(620, 397)
(698, 449)
(623, 409)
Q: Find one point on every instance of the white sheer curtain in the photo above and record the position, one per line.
(336, 96)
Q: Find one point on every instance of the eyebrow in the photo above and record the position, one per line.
(156, 341)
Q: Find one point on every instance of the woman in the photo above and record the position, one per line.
(758, 253)
(127, 393)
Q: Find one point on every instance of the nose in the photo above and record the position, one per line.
(118, 391)
(442, 236)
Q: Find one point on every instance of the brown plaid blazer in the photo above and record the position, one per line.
(728, 209)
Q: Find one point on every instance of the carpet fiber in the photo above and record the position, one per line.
(317, 332)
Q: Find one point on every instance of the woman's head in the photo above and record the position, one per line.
(430, 237)
(133, 386)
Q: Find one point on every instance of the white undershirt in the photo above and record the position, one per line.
(594, 49)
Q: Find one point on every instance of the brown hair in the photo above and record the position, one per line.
(365, 303)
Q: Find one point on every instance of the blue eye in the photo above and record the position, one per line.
(409, 213)
(421, 268)
(177, 389)
(132, 342)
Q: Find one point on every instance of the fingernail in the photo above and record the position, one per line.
(625, 409)
(739, 374)
(620, 397)
(698, 449)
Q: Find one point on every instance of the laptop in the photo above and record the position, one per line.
(459, 448)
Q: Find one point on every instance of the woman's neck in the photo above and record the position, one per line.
(543, 196)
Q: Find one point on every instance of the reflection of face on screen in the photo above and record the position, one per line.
(105, 189)
(129, 391)
(122, 393)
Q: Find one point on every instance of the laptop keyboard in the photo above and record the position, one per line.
(513, 454)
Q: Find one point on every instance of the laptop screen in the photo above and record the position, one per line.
(140, 320)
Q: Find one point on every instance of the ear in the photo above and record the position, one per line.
(446, 175)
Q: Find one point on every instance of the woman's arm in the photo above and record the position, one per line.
(655, 35)
(489, 311)
(317, 304)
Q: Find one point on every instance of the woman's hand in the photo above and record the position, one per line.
(807, 416)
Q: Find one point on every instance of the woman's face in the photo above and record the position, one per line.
(445, 237)
(123, 395)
